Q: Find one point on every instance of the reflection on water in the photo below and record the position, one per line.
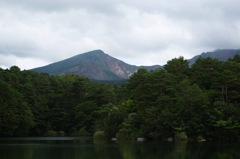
(81, 148)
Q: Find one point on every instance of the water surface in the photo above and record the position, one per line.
(88, 148)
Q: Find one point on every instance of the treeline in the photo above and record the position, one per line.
(110, 82)
(201, 100)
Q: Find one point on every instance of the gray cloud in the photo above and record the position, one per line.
(101, 6)
(34, 33)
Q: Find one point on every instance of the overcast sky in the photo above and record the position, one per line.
(35, 33)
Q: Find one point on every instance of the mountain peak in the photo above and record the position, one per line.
(72, 61)
(93, 64)
(98, 51)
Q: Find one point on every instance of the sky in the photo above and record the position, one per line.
(35, 33)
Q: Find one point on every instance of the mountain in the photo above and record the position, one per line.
(221, 55)
(95, 65)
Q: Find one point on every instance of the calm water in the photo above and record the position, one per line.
(87, 148)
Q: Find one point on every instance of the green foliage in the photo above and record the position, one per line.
(110, 119)
(74, 133)
(181, 136)
(99, 135)
(129, 106)
(85, 114)
(61, 132)
(73, 77)
(83, 132)
(199, 137)
(192, 103)
(111, 82)
(159, 122)
(178, 67)
(201, 100)
(223, 120)
(122, 136)
(16, 117)
(51, 133)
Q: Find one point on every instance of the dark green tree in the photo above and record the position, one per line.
(192, 103)
(179, 67)
(16, 117)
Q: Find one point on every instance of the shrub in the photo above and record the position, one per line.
(61, 133)
(134, 136)
(74, 133)
(99, 135)
(140, 133)
(121, 135)
(83, 132)
(181, 136)
(199, 137)
(51, 133)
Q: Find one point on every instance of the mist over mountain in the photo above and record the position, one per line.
(100, 66)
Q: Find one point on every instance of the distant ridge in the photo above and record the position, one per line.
(97, 65)
(220, 54)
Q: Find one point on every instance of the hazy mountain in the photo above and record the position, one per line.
(221, 55)
(95, 65)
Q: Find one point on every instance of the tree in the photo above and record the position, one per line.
(179, 67)
(236, 58)
(204, 70)
(137, 89)
(192, 103)
(159, 86)
(223, 120)
(159, 122)
(110, 119)
(227, 82)
(85, 115)
(76, 92)
(16, 117)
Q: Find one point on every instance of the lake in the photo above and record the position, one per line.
(88, 148)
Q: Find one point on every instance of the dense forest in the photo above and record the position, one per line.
(198, 100)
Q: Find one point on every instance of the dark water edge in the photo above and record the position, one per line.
(89, 148)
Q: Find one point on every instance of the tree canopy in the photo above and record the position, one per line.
(201, 100)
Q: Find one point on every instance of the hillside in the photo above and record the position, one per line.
(94, 65)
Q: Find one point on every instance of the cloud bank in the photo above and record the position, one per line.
(36, 33)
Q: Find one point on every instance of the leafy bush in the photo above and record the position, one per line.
(121, 135)
(181, 136)
(199, 137)
(99, 135)
(51, 133)
(74, 133)
(83, 132)
(140, 133)
(61, 133)
(133, 136)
